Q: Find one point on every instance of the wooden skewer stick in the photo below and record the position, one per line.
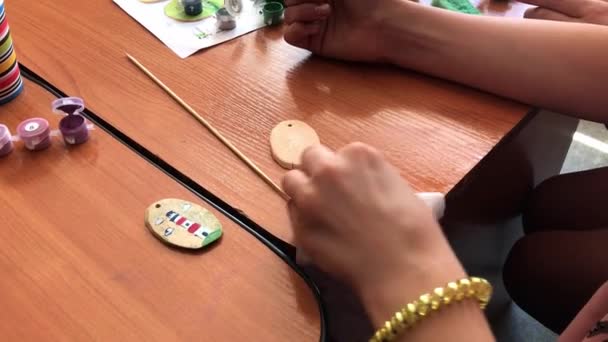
(211, 129)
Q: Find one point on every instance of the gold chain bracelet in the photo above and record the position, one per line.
(454, 292)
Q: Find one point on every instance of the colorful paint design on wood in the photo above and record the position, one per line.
(182, 223)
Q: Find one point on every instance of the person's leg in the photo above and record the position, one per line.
(551, 275)
(570, 201)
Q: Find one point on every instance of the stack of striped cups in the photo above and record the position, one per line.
(11, 84)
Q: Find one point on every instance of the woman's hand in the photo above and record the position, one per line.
(357, 219)
(343, 29)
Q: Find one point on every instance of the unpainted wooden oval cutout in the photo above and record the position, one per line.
(182, 223)
(289, 139)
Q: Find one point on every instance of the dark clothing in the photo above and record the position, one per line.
(563, 259)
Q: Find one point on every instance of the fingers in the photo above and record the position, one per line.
(294, 217)
(568, 8)
(547, 14)
(305, 227)
(298, 34)
(294, 181)
(316, 157)
(304, 19)
(361, 153)
(306, 12)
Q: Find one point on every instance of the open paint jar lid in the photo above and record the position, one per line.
(234, 7)
(68, 105)
(35, 133)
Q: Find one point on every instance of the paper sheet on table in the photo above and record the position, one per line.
(186, 38)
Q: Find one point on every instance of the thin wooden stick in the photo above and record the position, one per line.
(211, 129)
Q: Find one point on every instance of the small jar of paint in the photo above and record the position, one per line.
(273, 13)
(192, 7)
(35, 133)
(73, 126)
(74, 129)
(225, 20)
(6, 141)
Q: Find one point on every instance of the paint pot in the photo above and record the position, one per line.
(6, 141)
(192, 7)
(273, 13)
(73, 126)
(74, 129)
(35, 133)
(225, 20)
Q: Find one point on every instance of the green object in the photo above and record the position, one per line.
(6, 46)
(462, 6)
(273, 13)
(176, 11)
(215, 235)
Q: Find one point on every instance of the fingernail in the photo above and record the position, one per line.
(323, 10)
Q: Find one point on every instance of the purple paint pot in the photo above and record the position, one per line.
(35, 133)
(6, 142)
(74, 129)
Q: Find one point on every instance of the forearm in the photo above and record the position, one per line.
(462, 321)
(553, 65)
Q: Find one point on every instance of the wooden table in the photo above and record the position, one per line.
(486, 152)
(434, 131)
(78, 264)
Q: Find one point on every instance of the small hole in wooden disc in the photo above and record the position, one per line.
(289, 139)
(158, 205)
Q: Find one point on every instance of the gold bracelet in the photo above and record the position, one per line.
(454, 292)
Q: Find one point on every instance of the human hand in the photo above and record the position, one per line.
(583, 11)
(357, 219)
(344, 29)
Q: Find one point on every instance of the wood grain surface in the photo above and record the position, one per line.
(78, 264)
(434, 131)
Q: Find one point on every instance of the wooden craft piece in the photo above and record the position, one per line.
(289, 139)
(182, 223)
(176, 11)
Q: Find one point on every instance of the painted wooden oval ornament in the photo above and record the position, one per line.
(182, 223)
(289, 139)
